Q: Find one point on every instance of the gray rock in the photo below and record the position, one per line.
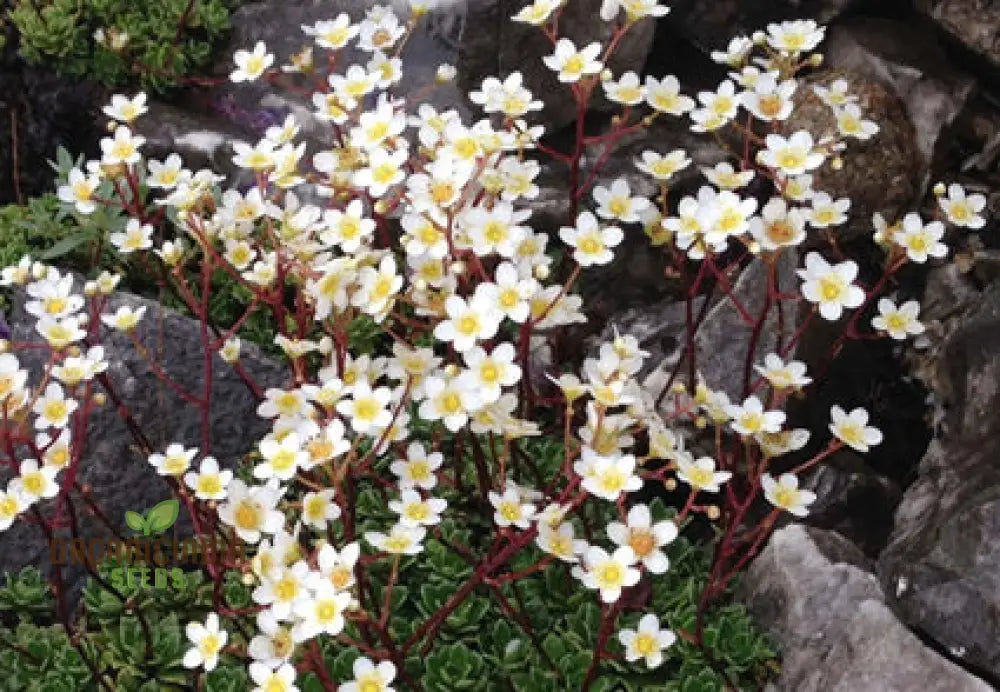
(973, 23)
(942, 564)
(113, 465)
(910, 60)
(723, 338)
(811, 591)
(493, 45)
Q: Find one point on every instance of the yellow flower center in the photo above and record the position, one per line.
(699, 477)
(326, 611)
(642, 542)
(209, 484)
(55, 411)
(468, 325)
(590, 245)
(830, 288)
(366, 409)
(610, 575)
(511, 511)
(286, 589)
(451, 403)
(417, 511)
(645, 644)
(8, 508)
(575, 64)
(619, 206)
(248, 515)
(340, 577)
(209, 645)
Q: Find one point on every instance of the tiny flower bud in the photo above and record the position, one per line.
(700, 422)
(248, 579)
(670, 484)
(326, 345)
(451, 370)
(541, 272)
(39, 270)
(90, 289)
(420, 284)
(99, 398)
(712, 512)
(83, 320)
(4, 345)
(837, 163)
(445, 73)
(940, 189)
(759, 38)
(457, 267)
(380, 207)
(606, 75)
(816, 59)
(754, 247)
(73, 351)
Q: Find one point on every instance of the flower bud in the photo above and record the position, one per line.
(542, 272)
(712, 512)
(445, 73)
(940, 189)
(816, 59)
(837, 163)
(248, 579)
(457, 268)
(4, 345)
(759, 38)
(670, 484)
(90, 289)
(326, 345)
(451, 370)
(99, 398)
(39, 271)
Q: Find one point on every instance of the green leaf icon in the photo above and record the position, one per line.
(135, 521)
(162, 516)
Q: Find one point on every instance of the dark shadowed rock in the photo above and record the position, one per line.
(113, 466)
(811, 590)
(942, 564)
(710, 25)
(973, 23)
(493, 45)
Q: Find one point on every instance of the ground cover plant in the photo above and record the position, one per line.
(425, 513)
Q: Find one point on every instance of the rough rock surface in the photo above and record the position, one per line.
(911, 61)
(812, 591)
(118, 473)
(942, 564)
(974, 23)
(883, 174)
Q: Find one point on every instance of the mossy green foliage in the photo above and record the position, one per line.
(159, 49)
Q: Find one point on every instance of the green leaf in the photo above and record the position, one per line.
(162, 516)
(135, 521)
(65, 246)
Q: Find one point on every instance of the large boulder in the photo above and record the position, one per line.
(942, 564)
(117, 472)
(973, 23)
(812, 591)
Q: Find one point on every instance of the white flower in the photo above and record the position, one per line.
(251, 511)
(509, 97)
(661, 167)
(321, 613)
(274, 644)
(776, 444)
(367, 408)
(401, 540)
(795, 36)
(700, 473)
(511, 294)
(899, 322)
(209, 483)
(609, 574)
(607, 477)
(571, 64)
(644, 537)
(60, 333)
(719, 107)
(778, 226)
(592, 244)
(125, 318)
(664, 96)
(126, 109)
(413, 510)
(828, 212)
(510, 508)
(792, 156)
(208, 641)
(347, 228)
(853, 430)
(489, 373)
(921, 241)
(319, 509)
(725, 177)
(560, 541)
(35, 482)
(259, 157)
(962, 209)
(468, 321)
(384, 170)
(852, 124)
(335, 567)
(332, 34)
(496, 230)
(750, 418)
(782, 375)
(537, 13)
(627, 90)
(736, 52)
(770, 100)
(268, 680)
(450, 401)
(79, 190)
(122, 148)
(836, 94)
(785, 494)
(284, 590)
(53, 408)
(418, 469)
(618, 203)
(12, 503)
(369, 677)
(250, 66)
(647, 641)
(136, 236)
(829, 286)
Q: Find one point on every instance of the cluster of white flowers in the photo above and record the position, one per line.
(471, 270)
